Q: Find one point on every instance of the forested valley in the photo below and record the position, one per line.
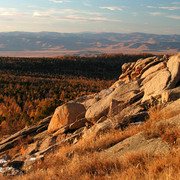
(31, 88)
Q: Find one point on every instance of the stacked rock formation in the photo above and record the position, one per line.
(142, 83)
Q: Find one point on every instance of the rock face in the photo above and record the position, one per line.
(65, 115)
(155, 73)
(154, 80)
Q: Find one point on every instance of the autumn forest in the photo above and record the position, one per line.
(31, 88)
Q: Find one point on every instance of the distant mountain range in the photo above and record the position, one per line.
(57, 44)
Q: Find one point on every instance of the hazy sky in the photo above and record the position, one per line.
(149, 16)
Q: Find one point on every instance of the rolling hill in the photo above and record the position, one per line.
(57, 44)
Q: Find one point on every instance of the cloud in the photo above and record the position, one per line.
(155, 13)
(38, 14)
(170, 8)
(8, 11)
(112, 8)
(59, 1)
(56, 1)
(74, 18)
(57, 13)
(173, 17)
(151, 7)
(72, 15)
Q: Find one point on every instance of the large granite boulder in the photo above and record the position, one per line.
(65, 115)
(174, 67)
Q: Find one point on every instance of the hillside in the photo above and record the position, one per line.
(53, 44)
(130, 130)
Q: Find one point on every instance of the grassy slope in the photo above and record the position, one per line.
(87, 164)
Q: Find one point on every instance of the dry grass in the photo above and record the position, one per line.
(134, 165)
(168, 132)
(82, 161)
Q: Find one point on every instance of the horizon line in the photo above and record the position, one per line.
(89, 32)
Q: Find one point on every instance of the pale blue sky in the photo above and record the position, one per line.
(122, 16)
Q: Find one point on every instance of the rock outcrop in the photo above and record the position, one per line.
(147, 82)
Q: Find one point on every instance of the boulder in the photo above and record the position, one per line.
(170, 95)
(62, 130)
(130, 112)
(65, 115)
(152, 63)
(139, 66)
(117, 84)
(114, 108)
(102, 94)
(87, 104)
(125, 66)
(141, 63)
(126, 92)
(98, 109)
(153, 69)
(148, 78)
(98, 128)
(156, 85)
(174, 67)
(45, 143)
(138, 142)
(31, 149)
(78, 124)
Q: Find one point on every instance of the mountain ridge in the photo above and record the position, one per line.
(46, 43)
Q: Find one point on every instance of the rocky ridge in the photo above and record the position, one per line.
(145, 83)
